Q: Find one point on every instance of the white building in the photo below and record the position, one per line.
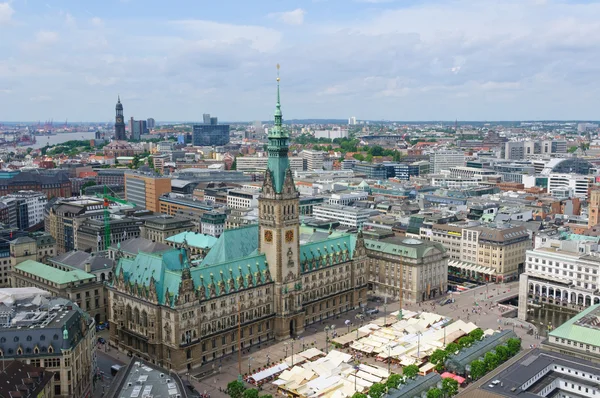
(25, 208)
(352, 120)
(345, 199)
(561, 274)
(346, 215)
(336, 132)
(240, 199)
(253, 163)
(314, 159)
(445, 160)
(578, 183)
(471, 172)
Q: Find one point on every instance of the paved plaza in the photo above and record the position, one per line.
(217, 374)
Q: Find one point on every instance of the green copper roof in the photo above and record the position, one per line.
(167, 268)
(575, 329)
(337, 248)
(193, 239)
(278, 161)
(233, 244)
(52, 274)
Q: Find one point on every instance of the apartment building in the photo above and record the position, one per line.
(26, 208)
(145, 189)
(346, 215)
(415, 268)
(55, 335)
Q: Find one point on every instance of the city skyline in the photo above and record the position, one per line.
(374, 59)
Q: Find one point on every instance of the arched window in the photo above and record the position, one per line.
(19, 351)
(102, 277)
(51, 350)
(136, 316)
(144, 319)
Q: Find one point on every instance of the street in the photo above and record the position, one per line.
(105, 361)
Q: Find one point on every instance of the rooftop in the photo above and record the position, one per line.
(583, 327)
(143, 379)
(20, 379)
(52, 274)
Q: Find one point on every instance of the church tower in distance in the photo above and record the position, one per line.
(279, 223)
(119, 122)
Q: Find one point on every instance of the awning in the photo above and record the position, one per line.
(273, 370)
(447, 375)
(471, 267)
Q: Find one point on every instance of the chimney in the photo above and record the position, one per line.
(87, 267)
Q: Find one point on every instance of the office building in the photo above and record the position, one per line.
(444, 160)
(54, 183)
(51, 333)
(415, 268)
(71, 283)
(242, 199)
(28, 208)
(137, 128)
(110, 177)
(352, 120)
(39, 246)
(159, 228)
(576, 184)
(372, 171)
(171, 205)
(210, 133)
(151, 123)
(313, 159)
(145, 188)
(90, 235)
(348, 216)
(119, 122)
(213, 223)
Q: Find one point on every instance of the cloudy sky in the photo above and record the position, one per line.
(374, 59)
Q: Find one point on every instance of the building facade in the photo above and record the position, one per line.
(145, 189)
(444, 160)
(210, 134)
(159, 228)
(119, 122)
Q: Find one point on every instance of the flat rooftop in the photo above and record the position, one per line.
(142, 379)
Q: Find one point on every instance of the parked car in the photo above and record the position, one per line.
(372, 311)
(101, 340)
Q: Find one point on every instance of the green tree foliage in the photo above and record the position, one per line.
(514, 346)
(450, 387)
(234, 164)
(572, 149)
(410, 371)
(251, 393)
(491, 361)
(377, 390)
(452, 348)
(393, 381)
(503, 353)
(359, 395)
(476, 334)
(269, 396)
(358, 157)
(465, 341)
(235, 389)
(478, 369)
(151, 162)
(438, 356)
(435, 393)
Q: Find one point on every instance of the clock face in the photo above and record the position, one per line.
(289, 236)
(268, 236)
(119, 120)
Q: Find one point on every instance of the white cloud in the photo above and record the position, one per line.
(6, 13)
(294, 17)
(46, 37)
(97, 22)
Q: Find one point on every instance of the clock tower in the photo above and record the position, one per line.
(278, 211)
(119, 122)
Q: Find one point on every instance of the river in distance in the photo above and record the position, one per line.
(43, 140)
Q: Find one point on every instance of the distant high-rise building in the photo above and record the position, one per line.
(206, 118)
(211, 133)
(352, 121)
(151, 123)
(444, 160)
(258, 126)
(137, 128)
(119, 122)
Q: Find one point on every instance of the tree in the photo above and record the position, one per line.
(450, 386)
(234, 165)
(465, 341)
(491, 361)
(476, 334)
(478, 369)
(393, 381)
(235, 389)
(514, 346)
(435, 393)
(452, 348)
(503, 353)
(151, 162)
(410, 371)
(359, 395)
(377, 390)
(270, 396)
(358, 157)
(438, 356)
(251, 393)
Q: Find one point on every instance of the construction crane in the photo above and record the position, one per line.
(107, 199)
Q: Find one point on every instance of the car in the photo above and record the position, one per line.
(101, 340)
(372, 311)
